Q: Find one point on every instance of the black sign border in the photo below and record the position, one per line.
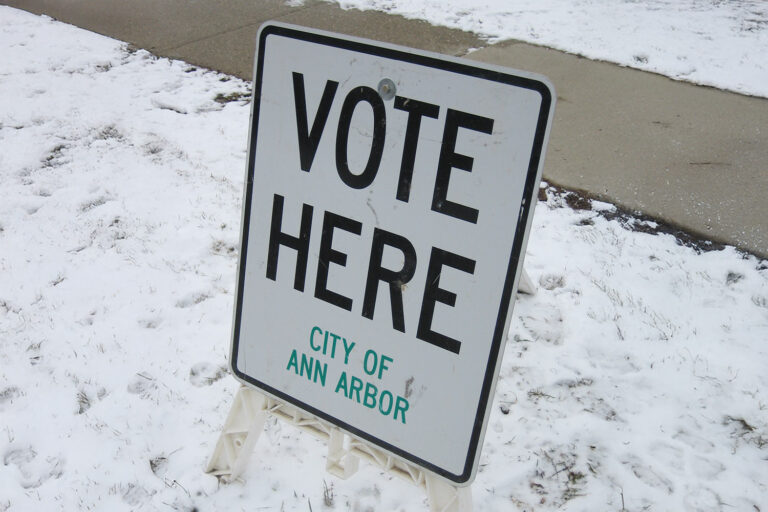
(529, 195)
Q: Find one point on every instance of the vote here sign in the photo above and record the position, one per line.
(388, 200)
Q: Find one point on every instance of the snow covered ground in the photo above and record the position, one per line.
(722, 43)
(634, 380)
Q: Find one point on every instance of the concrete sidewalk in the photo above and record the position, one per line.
(693, 156)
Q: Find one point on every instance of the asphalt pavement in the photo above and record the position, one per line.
(692, 156)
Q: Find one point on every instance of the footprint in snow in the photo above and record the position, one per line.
(648, 475)
(143, 385)
(552, 281)
(93, 203)
(545, 324)
(702, 499)
(134, 494)
(33, 470)
(85, 398)
(192, 300)
(150, 322)
(159, 465)
(8, 394)
(601, 408)
(55, 157)
(669, 455)
(169, 102)
(698, 443)
(706, 468)
(205, 374)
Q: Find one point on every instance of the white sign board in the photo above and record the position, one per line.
(388, 200)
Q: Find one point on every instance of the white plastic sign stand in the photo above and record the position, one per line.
(387, 206)
(245, 423)
(526, 284)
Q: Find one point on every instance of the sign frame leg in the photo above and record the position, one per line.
(526, 284)
(243, 427)
(444, 497)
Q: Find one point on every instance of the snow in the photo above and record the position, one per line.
(722, 43)
(634, 380)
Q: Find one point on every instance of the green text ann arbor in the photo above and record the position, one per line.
(363, 392)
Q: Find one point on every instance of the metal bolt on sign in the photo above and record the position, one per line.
(387, 89)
